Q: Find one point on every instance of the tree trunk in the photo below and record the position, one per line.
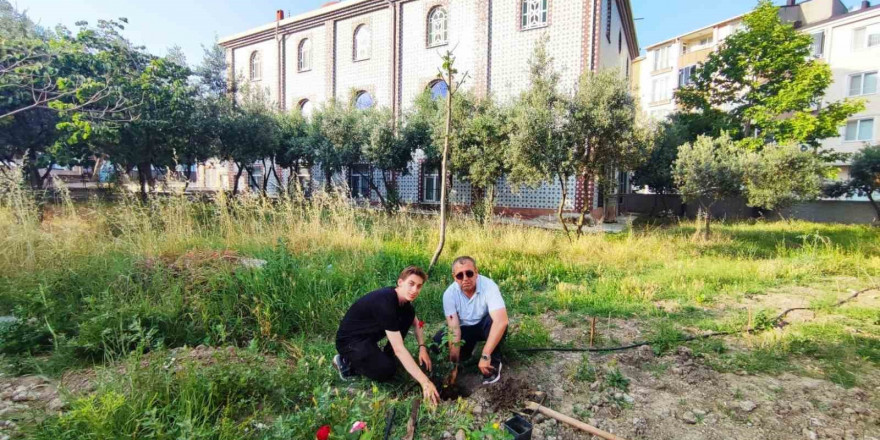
(237, 177)
(390, 192)
(31, 172)
(587, 205)
(708, 213)
(443, 165)
(561, 207)
(375, 188)
(143, 171)
(876, 206)
(327, 183)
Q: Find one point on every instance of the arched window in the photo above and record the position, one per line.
(304, 55)
(438, 25)
(361, 43)
(439, 89)
(306, 107)
(256, 66)
(534, 13)
(363, 101)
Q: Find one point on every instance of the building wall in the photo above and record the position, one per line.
(611, 54)
(268, 82)
(373, 75)
(512, 46)
(310, 84)
(845, 61)
(419, 63)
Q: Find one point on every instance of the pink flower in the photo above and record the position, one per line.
(323, 433)
(357, 426)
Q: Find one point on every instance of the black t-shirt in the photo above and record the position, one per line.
(374, 313)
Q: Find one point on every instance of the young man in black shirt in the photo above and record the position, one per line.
(387, 312)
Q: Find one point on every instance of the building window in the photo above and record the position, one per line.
(818, 44)
(866, 37)
(439, 89)
(660, 90)
(431, 186)
(359, 182)
(306, 107)
(363, 101)
(685, 75)
(304, 55)
(864, 83)
(438, 27)
(534, 13)
(860, 130)
(361, 43)
(256, 66)
(661, 58)
(608, 16)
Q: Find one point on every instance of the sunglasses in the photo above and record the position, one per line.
(468, 273)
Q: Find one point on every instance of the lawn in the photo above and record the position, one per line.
(112, 292)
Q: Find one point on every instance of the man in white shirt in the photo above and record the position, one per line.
(475, 312)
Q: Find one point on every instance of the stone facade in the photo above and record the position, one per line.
(490, 45)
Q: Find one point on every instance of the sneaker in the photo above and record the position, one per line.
(343, 367)
(495, 376)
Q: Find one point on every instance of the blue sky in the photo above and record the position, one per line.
(160, 24)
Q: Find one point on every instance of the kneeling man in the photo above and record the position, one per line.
(474, 312)
(387, 312)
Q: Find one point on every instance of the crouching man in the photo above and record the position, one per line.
(474, 312)
(384, 313)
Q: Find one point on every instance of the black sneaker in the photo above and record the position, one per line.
(496, 374)
(343, 367)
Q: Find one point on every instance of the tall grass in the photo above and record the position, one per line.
(98, 280)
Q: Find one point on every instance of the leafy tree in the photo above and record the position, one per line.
(479, 150)
(295, 148)
(248, 133)
(656, 172)
(864, 179)
(541, 149)
(708, 170)
(175, 55)
(772, 87)
(390, 148)
(338, 134)
(780, 175)
(602, 121)
(212, 71)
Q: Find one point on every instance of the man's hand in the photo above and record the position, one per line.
(430, 394)
(485, 366)
(424, 357)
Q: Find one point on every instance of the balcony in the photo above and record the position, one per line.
(697, 56)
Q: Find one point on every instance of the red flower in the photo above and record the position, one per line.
(421, 324)
(323, 433)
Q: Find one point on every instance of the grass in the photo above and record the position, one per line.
(103, 283)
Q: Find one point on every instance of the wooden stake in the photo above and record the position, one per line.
(413, 420)
(571, 421)
(592, 331)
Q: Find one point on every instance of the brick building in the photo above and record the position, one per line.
(386, 52)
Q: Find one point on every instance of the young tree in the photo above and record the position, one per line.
(390, 148)
(295, 149)
(338, 133)
(656, 172)
(212, 71)
(864, 179)
(769, 82)
(708, 170)
(540, 148)
(248, 133)
(448, 73)
(780, 175)
(602, 121)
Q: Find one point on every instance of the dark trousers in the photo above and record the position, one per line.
(367, 359)
(471, 334)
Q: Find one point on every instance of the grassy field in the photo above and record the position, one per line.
(125, 285)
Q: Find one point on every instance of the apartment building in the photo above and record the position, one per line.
(386, 52)
(848, 40)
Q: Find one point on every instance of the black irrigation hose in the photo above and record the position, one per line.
(776, 323)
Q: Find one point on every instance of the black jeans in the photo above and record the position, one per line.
(471, 334)
(369, 360)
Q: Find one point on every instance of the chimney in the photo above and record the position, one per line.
(866, 4)
(790, 2)
(279, 15)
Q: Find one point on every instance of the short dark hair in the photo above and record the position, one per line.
(464, 258)
(413, 270)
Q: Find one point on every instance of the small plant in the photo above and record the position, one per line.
(615, 379)
(490, 431)
(585, 372)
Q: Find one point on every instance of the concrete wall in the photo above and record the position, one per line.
(373, 75)
(310, 84)
(268, 82)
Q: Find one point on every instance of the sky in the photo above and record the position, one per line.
(160, 24)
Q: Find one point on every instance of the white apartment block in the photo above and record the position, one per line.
(848, 40)
(386, 52)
